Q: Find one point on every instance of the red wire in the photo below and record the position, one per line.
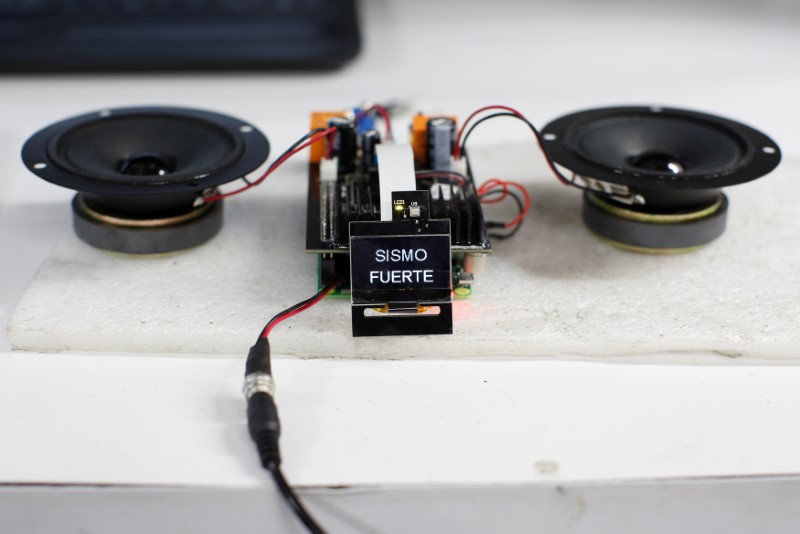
(280, 319)
(490, 184)
(457, 149)
(272, 167)
(525, 209)
(384, 113)
(329, 151)
(386, 121)
(505, 184)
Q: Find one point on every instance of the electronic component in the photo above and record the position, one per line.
(401, 271)
(139, 173)
(344, 195)
(441, 139)
(653, 176)
(319, 120)
(344, 144)
(433, 140)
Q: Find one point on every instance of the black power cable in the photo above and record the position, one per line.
(262, 412)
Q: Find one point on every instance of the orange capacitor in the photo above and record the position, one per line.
(419, 137)
(319, 119)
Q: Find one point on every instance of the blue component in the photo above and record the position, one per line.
(366, 123)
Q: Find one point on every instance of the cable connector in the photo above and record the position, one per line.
(258, 383)
(262, 413)
(459, 165)
(258, 359)
(329, 169)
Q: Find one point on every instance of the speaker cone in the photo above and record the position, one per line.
(653, 176)
(139, 171)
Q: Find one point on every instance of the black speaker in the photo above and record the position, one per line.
(653, 176)
(139, 172)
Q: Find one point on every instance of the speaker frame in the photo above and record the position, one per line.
(39, 148)
(761, 154)
(146, 214)
(657, 211)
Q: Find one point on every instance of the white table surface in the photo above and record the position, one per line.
(131, 443)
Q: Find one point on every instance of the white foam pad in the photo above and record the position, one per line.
(552, 289)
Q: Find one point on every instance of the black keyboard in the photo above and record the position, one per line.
(142, 35)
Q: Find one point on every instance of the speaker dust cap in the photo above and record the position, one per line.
(654, 175)
(138, 172)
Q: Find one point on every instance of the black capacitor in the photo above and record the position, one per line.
(369, 143)
(441, 141)
(344, 143)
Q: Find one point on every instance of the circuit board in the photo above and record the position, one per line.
(350, 192)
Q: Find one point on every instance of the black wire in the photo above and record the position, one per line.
(284, 312)
(299, 142)
(296, 144)
(514, 195)
(539, 139)
(469, 167)
(520, 205)
(293, 500)
(290, 309)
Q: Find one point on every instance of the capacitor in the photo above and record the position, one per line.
(344, 143)
(369, 141)
(441, 140)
